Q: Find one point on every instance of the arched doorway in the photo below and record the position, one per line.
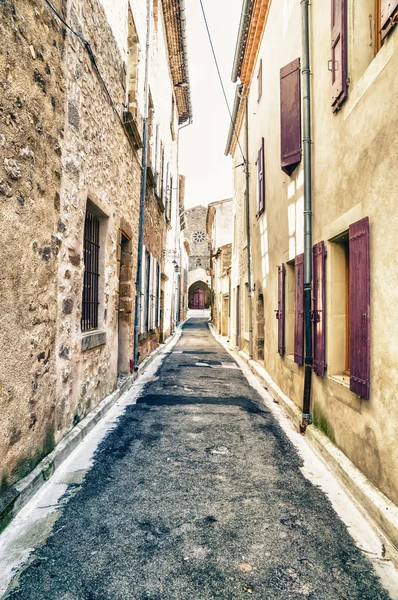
(199, 295)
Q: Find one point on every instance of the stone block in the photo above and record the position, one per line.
(93, 339)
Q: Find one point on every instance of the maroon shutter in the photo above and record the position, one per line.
(290, 116)
(389, 16)
(339, 53)
(260, 180)
(280, 313)
(299, 310)
(360, 308)
(318, 313)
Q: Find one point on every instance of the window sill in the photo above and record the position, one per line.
(290, 364)
(93, 339)
(341, 379)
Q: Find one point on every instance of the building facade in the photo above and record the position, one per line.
(351, 261)
(199, 279)
(71, 171)
(219, 227)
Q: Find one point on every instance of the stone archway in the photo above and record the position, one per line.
(199, 296)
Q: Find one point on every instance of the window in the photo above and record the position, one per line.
(280, 312)
(169, 199)
(290, 308)
(199, 237)
(299, 309)
(132, 66)
(172, 118)
(318, 312)
(290, 116)
(349, 346)
(260, 180)
(147, 290)
(260, 81)
(157, 304)
(339, 53)
(90, 302)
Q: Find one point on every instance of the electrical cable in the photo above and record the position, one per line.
(220, 79)
(94, 63)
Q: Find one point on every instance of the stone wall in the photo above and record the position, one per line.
(32, 94)
(195, 234)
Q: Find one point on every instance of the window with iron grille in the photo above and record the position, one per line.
(90, 300)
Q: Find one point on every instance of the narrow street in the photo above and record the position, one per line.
(197, 493)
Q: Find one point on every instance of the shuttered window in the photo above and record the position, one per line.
(339, 53)
(260, 180)
(157, 304)
(290, 116)
(389, 16)
(280, 313)
(299, 310)
(318, 312)
(360, 308)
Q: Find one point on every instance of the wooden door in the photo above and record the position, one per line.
(198, 299)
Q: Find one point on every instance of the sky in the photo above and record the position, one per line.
(208, 172)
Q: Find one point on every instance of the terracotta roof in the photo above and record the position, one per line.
(175, 24)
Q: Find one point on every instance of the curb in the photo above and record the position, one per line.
(19, 494)
(372, 501)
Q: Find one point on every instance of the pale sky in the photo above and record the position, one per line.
(202, 144)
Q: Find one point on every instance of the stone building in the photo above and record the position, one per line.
(350, 266)
(199, 279)
(219, 227)
(70, 175)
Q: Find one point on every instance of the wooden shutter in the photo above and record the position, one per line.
(299, 310)
(280, 313)
(318, 313)
(389, 16)
(260, 180)
(142, 292)
(360, 308)
(339, 53)
(290, 116)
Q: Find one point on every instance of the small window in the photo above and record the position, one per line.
(147, 289)
(290, 308)
(339, 359)
(260, 81)
(157, 295)
(260, 180)
(90, 300)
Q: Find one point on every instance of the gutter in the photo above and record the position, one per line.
(241, 42)
(235, 112)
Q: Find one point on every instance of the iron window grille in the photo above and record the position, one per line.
(90, 302)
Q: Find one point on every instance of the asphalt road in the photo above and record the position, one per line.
(197, 494)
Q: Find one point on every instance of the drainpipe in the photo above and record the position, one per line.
(138, 282)
(306, 82)
(249, 250)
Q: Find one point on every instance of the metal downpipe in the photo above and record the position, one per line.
(306, 84)
(138, 282)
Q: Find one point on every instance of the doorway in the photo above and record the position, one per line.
(199, 299)
(125, 306)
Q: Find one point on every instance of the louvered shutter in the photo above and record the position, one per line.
(360, 308)
(299, 310)
(260, 180)
(142, 292)
(158, 276)
(290, 116)
(389, 16)
(280, 313)
(339, 53)
(318, 313)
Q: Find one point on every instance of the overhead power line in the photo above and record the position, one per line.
(220, 79)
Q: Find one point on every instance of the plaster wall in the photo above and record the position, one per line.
(354, 153)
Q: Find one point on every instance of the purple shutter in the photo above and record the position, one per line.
(260, 180)
(280, 313)
(290, 116)
(318, 313)
(339, 53)
(299, 310)
(389, 16)
(360, 308)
